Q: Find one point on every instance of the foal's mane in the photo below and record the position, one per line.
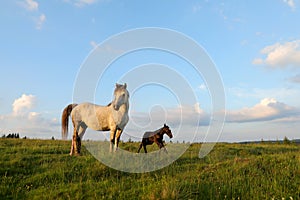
(159, 131)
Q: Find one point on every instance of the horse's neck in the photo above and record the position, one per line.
(123, 109)
(160, 131)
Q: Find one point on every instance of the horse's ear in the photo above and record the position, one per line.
(117, 85)
(125, 85)
(165, 125)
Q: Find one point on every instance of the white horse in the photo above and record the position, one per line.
(112, 117)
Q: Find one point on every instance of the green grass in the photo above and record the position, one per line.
(43, 169)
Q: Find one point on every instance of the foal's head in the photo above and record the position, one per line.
(121, 96)
(167, 130)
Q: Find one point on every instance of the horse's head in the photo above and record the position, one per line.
(167, 130)
(121, 96)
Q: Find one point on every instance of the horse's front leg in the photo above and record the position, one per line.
(165, 149)
(161, 145)
(117, 138)
(73, 146)
(112, 139)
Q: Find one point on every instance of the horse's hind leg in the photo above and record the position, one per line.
(79, 135)
(141, 145)
(82, 129)
(73, 146)
(76, 144)
(76, 139)
(145, 148)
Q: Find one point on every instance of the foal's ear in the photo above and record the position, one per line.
(165, 125)
(125, 85)
(117, 85)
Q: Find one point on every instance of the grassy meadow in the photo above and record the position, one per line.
(43, 169)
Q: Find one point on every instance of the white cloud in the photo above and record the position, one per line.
(81, 3)
(290, 3)
(107, 48)
(280, 55)
(40, 21)
(196, 8)
(27, 122)
(260, 93)
(33, 6)
(183, 120)
(93, 44)
(34, 115)
(258, 61)
(193, 116)
(266, 110)
(30, 5)
(295, 79)
(87, 2)
(23, 104)
(202, 87)
(190, 115)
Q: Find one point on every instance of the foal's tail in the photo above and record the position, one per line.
(65, 120)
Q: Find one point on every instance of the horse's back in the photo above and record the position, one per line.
(94, 116)
(148, 134)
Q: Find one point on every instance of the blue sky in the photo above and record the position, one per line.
(255, 46)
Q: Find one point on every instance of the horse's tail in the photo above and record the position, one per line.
(65, 120)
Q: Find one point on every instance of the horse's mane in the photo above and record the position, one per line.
(152, 133)
(159, 131)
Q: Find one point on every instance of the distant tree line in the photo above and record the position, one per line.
(17, 136)
(11, 135)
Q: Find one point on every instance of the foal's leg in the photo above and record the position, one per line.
(141, 145)
(145, 148)
(165, 149)
(161, 145)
